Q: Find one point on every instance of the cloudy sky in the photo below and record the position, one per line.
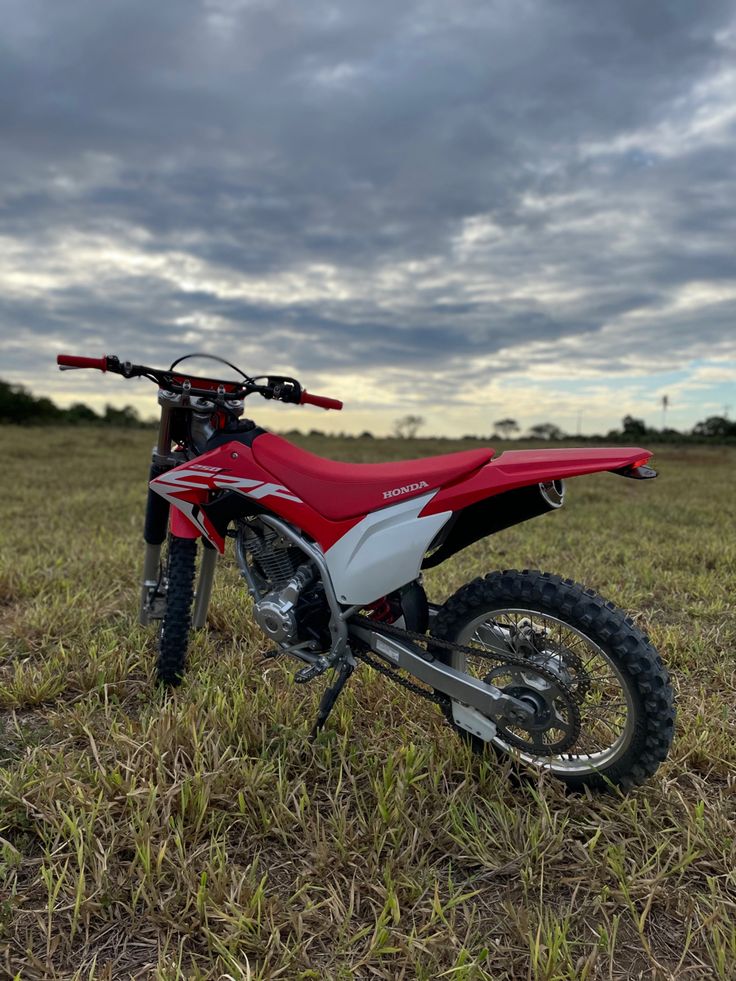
(465, 210)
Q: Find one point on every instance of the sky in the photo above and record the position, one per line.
(466, 211)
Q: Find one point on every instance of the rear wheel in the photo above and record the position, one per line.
(616, 678)
(173, 637)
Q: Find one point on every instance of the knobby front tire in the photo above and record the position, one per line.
(173, 638)
(577, 615)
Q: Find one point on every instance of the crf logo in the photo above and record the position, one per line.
(398, 491)
(199, 477)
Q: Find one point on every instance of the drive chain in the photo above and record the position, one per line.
(438, 698)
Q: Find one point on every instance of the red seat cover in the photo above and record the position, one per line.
(344, 490)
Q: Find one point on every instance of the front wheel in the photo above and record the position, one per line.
(624, 718)
(173, 637)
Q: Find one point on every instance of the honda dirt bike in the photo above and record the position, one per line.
(526, 663)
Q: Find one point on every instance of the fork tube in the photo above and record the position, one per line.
(204, 586)
(163, 446)
(157, 517)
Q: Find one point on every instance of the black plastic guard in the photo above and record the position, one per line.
(227, 507)
(486, 518)
(156, 523)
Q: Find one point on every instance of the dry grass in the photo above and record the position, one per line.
(203, 836)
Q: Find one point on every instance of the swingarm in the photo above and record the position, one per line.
(458, 686)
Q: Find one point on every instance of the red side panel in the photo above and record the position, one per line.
(519, 468)
(233, 467)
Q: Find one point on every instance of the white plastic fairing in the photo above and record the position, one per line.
(383, 551)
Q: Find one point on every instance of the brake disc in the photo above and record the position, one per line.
(539, 649)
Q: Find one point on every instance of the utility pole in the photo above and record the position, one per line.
(726, 410)
(580, 419)
(665, 405)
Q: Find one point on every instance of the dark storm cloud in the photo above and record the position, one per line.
(266, 138)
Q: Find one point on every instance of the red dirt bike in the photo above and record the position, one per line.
(524, 663)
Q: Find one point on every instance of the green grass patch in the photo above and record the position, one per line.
(203, 836)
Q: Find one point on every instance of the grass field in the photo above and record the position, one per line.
(203, 836)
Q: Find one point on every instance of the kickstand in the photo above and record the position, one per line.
(330, 696)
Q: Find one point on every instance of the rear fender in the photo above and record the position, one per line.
(516, 486)
(523, 468)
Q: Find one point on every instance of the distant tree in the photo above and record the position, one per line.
(546, 430)
(127, 416)
(669, 435)
(44, 409)
(366, 434)
(18, 406)
(506, 427)
(408, 426)
(715, 427)
(633, 427)
(315, 432)
(79, 412)
(8, 405)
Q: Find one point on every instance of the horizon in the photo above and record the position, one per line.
(522, 433)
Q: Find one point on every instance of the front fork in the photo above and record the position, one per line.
(156, 526)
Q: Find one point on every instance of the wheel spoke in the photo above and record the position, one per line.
(584, 668)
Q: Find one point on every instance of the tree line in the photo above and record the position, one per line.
(713, 427)
(19, 406)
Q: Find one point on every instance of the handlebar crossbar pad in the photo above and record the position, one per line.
(74, 361)
(321, 400)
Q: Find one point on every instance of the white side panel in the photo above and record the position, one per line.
(383, 551)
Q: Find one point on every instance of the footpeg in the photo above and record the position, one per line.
(312, 671)
(274, 652)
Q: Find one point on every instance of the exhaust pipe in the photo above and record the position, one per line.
(553, 492)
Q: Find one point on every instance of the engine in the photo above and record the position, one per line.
(273, 560)
(291, 607)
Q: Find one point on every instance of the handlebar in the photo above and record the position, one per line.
(73, 361)
(277, 386)
(321, 400)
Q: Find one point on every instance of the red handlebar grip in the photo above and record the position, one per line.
(73, 361)
(321, 400)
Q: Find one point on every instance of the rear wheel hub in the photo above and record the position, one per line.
(555, 725)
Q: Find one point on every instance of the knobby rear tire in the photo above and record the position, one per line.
(173, 638)
(639, 664)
